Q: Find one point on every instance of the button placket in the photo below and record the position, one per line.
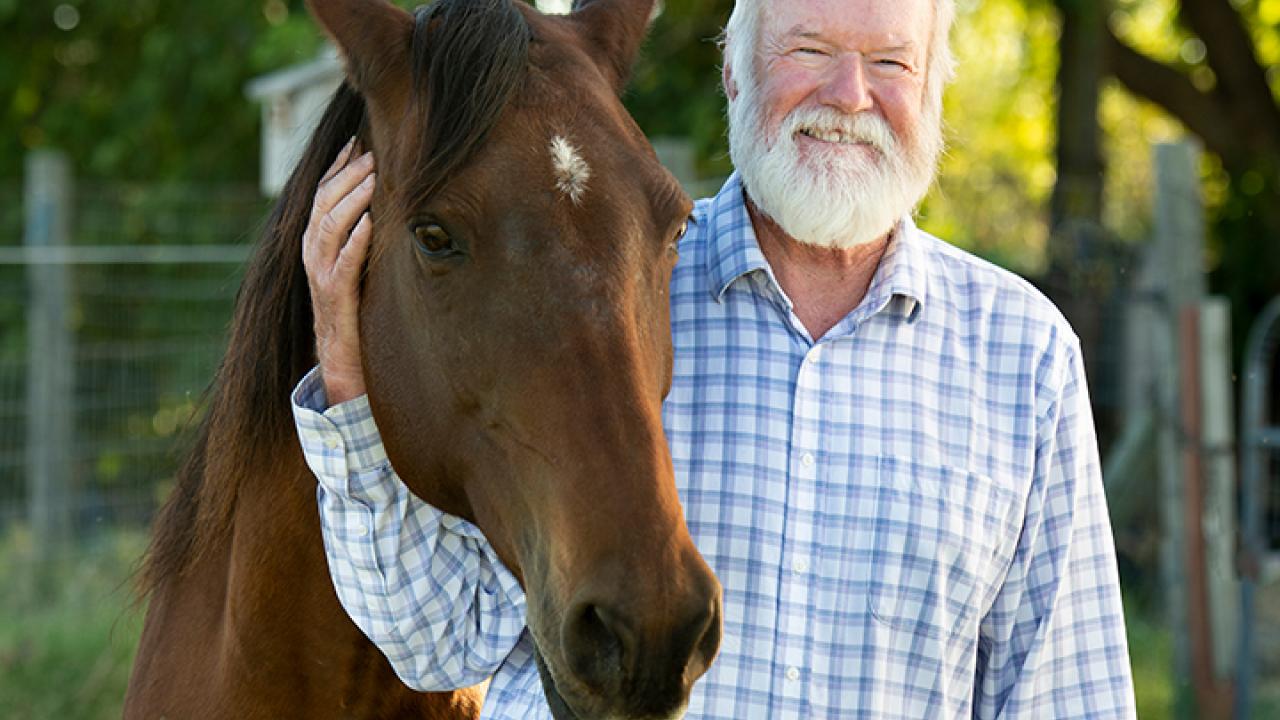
(796, 585)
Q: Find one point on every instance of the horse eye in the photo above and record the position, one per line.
(673, 246)
(433, 240)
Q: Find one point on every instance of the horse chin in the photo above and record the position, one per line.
(560, 709)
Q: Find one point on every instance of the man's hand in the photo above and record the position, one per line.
(333, 251)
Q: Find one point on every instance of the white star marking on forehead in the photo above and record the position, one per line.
(572, 172)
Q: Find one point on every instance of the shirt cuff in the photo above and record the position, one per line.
(342, 440)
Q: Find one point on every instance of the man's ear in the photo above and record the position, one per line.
(612, 31)
(375, 37)
(730, 86)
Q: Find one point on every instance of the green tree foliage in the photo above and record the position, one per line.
(142, 89)
(675, 89)
(1214, 65)
(998, 172)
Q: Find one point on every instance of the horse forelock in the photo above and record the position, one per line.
(468, 60)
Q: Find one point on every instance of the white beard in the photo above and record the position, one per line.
(843, 194)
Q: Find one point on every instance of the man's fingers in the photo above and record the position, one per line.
(346, 268)
(330, 193)
(332, 216)
(337, 225)
(341, 161)
(319, 242)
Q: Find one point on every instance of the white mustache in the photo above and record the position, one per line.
(834, 126)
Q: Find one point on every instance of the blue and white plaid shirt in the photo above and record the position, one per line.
(907, 516)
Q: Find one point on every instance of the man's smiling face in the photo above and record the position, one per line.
(851, 56)
(831, 125)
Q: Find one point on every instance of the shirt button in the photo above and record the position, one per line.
(793, 674)
(362, 531)
(807, 460)
(800, 565)
(331, 443)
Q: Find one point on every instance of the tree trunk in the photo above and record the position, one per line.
(1080, 277)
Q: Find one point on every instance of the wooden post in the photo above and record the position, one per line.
(1131, 468)
(50, 354)
(1195, 441)
(1179, 252)
(1219, 518)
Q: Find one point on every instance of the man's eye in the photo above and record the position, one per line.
(808, 52)
(891, 67)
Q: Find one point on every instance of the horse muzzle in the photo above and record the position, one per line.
(629, 653)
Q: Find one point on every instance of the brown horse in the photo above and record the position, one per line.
(516, 341)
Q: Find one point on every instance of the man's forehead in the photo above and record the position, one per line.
(806, 32)
(888, 24)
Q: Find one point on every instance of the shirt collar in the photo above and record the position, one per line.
(734, 251)
(903, 274)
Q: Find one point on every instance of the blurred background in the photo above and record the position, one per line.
(1123, 155)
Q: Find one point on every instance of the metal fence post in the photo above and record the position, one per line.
(1258, 440)
(50, 353)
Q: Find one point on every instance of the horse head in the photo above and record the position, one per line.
(515, 325)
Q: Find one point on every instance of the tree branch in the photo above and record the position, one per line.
(1174, 92)
(1242, 83)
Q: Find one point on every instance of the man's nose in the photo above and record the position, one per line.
(845, 88)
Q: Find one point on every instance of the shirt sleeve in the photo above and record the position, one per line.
(426, 587)
(1054, 642)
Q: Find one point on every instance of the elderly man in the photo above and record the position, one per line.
(883, 445)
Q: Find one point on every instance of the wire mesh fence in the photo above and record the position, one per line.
(151, 275)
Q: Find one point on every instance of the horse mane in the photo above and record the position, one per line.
(463, 77)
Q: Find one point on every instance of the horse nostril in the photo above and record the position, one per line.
(596, 642)
(707, 645)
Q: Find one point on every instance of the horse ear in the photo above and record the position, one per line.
(375, 37)
(613, 31)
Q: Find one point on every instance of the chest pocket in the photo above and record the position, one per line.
(942, 541)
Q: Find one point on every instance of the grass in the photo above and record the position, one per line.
(68, 630)
(1151, 657)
